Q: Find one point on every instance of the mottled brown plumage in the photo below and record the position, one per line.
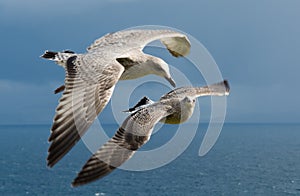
(175, 107)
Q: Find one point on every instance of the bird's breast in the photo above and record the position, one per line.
(177, 118)
(181, 115)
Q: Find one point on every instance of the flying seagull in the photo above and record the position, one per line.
(91, 77)
(174, 107)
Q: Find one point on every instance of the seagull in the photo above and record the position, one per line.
(91, 77)
(175, 107)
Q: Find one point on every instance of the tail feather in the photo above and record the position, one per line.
(69, 51)
(49, 55)
(59, 57)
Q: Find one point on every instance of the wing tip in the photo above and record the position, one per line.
(59, 89)
(178, 45)
(84, 178)
(227, 87)
(76, 183)
(79, 182)
(50, 161)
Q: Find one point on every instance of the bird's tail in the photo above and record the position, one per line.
(217, 89)
(59, 57)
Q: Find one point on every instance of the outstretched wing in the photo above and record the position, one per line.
(218, 89)
(134, 132)
(124, 41)
(88, 88)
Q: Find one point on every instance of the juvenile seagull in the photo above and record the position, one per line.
(175, 107)
(91, 78)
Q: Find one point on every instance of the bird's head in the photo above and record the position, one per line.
(161, 68)
(188, 101)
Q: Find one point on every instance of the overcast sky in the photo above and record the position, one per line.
(254, 42)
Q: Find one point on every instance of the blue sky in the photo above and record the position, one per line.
(254, 42)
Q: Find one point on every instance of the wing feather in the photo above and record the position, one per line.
(134, 132)
(217, 89)
(177, 43)
(81, 102)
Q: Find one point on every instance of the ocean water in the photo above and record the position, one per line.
(248, 159)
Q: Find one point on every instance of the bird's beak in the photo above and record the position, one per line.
(171, 81)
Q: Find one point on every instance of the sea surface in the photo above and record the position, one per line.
(248, 159)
